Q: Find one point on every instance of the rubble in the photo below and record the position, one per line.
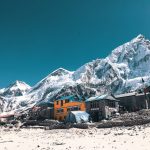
(128, 119)
(141, 117)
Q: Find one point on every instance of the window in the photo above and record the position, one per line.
(76, 108)
(60, 110)
(66, 101)
(97, 104)
(110, 103)
(61, 102)
(68, 109)
(94, 104)
(57, 102)
(91, 104)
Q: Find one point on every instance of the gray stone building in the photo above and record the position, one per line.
(42, 111)
(134, 101)
(101, 107)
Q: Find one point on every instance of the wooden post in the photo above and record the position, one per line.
(144, 87)
(146, 102)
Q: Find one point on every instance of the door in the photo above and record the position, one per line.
(95, 116)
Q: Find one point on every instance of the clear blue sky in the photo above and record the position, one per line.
(39, 36)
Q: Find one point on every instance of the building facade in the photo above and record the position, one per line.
(42, 111)
(101, 107)
(134, 101)
(66, 104)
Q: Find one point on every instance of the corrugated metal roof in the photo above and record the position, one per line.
(130, 94)
(101, 97)
(125, 94)
(96, 98)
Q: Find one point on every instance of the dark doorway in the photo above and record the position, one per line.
(61, 102)
(95, 116)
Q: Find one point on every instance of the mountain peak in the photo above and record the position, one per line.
(18, 84)
(139, 38)
(60, 72)
(17, 88)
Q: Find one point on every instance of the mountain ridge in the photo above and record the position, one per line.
(119, 72)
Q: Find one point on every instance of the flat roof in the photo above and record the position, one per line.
(101, 97)
(125, 95)
(130, 94)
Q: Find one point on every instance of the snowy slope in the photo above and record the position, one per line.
(122, 71)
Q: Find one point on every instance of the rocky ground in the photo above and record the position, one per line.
(132, 131)
(127, 119)
(119, 138)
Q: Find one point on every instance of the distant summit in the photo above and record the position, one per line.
(60, 72)
(17, 88)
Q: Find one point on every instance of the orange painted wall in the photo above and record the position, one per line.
(61, 115)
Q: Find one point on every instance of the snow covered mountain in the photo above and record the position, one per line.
(18, 88)
(122, 71)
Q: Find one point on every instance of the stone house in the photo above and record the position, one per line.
(42, 111)
(133, 101)
(102, 107)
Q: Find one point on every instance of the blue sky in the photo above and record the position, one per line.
(39, 36)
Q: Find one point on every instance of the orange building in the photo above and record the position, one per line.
(66, 104)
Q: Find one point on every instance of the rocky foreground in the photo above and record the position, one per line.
(119, 138)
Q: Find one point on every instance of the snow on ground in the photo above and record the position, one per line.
(130, 138)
